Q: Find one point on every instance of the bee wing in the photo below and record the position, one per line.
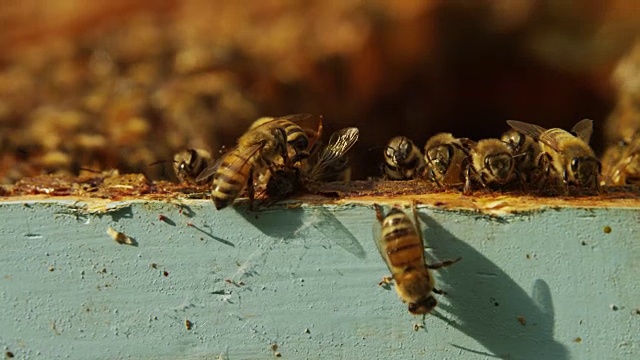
(537, 132)
(238, 162)
(583, 129)
(212, 169)
(339, 144)
(532, 130)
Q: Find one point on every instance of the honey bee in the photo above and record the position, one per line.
(525, 152)
(621, 162)
(569, 157)
(257, 149)
(491, 162)
(444, 156)
(302, 130)
(402, 159)
(331, 163)
(400, 243)
(188, 164)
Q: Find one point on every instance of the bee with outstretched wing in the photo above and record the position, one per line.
(257, 151)
(569, 157)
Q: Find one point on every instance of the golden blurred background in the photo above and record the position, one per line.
(122, 84)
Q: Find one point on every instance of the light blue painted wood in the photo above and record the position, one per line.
(309, 280)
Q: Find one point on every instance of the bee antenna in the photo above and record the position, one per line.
(161, 162)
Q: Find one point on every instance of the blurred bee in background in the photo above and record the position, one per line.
(400, 243)
(444, 156)
(621, 162)
(256, 152)
(490, 162)
(403, 160)
(189, 163)
(565, 157)
(331, 164)
(525, 151)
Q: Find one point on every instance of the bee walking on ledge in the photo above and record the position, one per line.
(401, 246)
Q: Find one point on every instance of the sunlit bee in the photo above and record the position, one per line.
(330, 164)
(257, 149)
(444, 156)
(403, 160)
(302, 131)
(569, 157)
(525, 150)
(491, 163)
(399, 241)
(621, 162)
(188, 164)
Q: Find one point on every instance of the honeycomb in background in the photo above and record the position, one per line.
(116, 85)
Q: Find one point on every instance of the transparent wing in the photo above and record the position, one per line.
(537, 132)
(583, 130)
(212, 169)
(528, 129)
(339, 144)
(238, 160)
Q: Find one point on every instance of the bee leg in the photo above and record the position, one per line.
(466, 190)
(386, 281)
(442, 264)
(379, 214)
(522, 181)
(250, 190)
(417, 219)
(544, 162)
(467, 177)
(439, 292)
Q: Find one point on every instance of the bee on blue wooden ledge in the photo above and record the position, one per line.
(401, 246)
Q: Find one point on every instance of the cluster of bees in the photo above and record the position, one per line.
(280, 156)
(526, 156)
(284, 155)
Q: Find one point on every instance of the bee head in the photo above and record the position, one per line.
(283, 183)
(499, 165)
(398, 149)
(423, 305)
(585, 170)
(440, 157)
(514, 139)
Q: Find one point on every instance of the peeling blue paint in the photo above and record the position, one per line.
(544, 285)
